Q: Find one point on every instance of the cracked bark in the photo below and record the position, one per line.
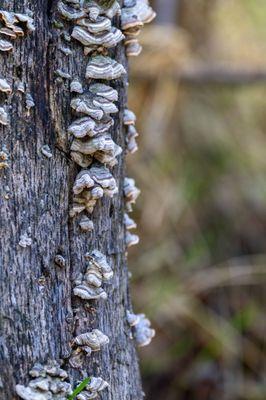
(37, 319)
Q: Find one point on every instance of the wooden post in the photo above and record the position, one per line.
(38, 314)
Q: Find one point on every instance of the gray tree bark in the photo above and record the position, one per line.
(37, 307)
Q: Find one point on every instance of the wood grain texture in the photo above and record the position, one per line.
(38, 313)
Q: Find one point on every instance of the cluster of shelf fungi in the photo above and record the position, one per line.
(94, 150)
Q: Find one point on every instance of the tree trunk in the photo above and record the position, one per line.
(39, 315)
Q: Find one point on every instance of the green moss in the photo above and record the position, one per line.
(106, 3)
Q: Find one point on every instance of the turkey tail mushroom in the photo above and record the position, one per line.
(129, 120)
(48, 382)
(89, 286)
(5, 86)
(131, 193)
(85, 344)
(3, 116)
(141, 328)
(91, 185)
(91, 137)
(93, 389)
(134, 15)
(105, 68)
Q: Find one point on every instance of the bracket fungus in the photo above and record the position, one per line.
(85, 344)
(109, 8)
(141, 327)
(3, 160)
(46, 151)
(89, 286)
(131, 239)
(86, 126)
(92, 10)
(129, 117)
(92, 390)
(94, 106)
(90, 133)
(133, 47)
(131, 136)
(20, 86)
(5, 86)
(69, 12)
(16, 24)
(76, 86)
(25, 241)
(60, 261)
(134, 15)
(91, 185)
(8, 32)
(93, 27)
(86, 225)
(29, 102)
(129, 222)
(102, 148)
(3, 116)
(24, 19)
(107, 106)
(92, 140)
(102, 24)
(132, 319)
(47, 383)
(5, 45)
(105, 91)
(131, 193)
(92, 41)
(129, 120)
(84, 105)
(103, 67)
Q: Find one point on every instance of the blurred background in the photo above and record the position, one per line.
(199, 90)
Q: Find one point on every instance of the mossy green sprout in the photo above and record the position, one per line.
(79, 389)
